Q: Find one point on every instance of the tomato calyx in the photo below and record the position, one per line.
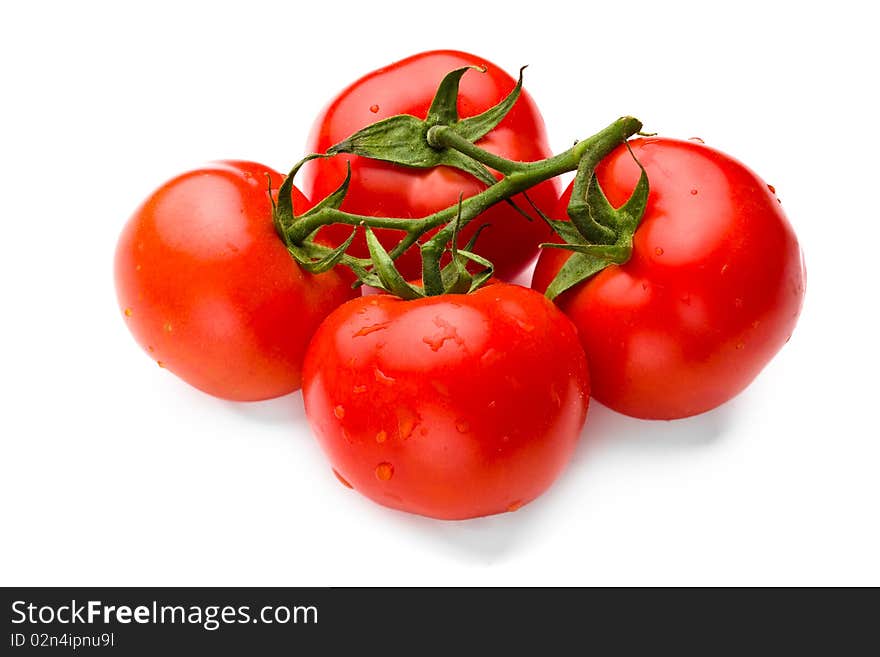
(379, 270)
(441, 139)
(405, 140)
(597, 233)
(455, 278)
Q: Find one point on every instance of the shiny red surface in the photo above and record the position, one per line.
(450, 407)
(208, 289)
(381, 189)
(712, 292)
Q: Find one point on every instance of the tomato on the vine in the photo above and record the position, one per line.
(378, 188)
(452, 406)
(209, 290)
(712, 291)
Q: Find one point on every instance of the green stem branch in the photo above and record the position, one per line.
(442, 136)
(517, 177)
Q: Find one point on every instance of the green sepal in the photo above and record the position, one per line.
(577, 268)
(402, 139)
(453, 158)
(567, 231)
(537, 210)
(624, 219)
(590, 256)
(611, 253)
(513, 204)
(282, 210)
(454, 277)
(481, 277)
(473, 240)
(398, 139)
(564, 229)
(317, 259)
(444, 107)
(468, 253)
(391, 280)
(365, 276)
(334, 200)
(592, 231)
(475, 127)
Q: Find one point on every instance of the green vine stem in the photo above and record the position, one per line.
(517, 177)
(598, 235)
(523, 176)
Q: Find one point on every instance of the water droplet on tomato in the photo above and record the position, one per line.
(407, 419)
(447, 332)
(513, 506)
(525, 326)
(381, 377)
(359, 389)
(381, 437)
(342, 479)
(738, 302)
(492, 355)
(659, 251)
(756, 323)
(339, 412)
(167, 327)
(462, 426)
(384, 471)
(374, 108)
(372, 328)
(740, 345)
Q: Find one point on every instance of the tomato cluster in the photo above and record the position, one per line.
(468, 402)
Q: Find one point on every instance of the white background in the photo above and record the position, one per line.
(113, 472)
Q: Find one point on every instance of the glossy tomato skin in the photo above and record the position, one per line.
(208, 289)
(381, 189)
(451, 407)
(713, 290)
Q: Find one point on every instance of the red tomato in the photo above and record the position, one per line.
(712, 292)
(382, 189)
(208, 289)
(452, 406)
